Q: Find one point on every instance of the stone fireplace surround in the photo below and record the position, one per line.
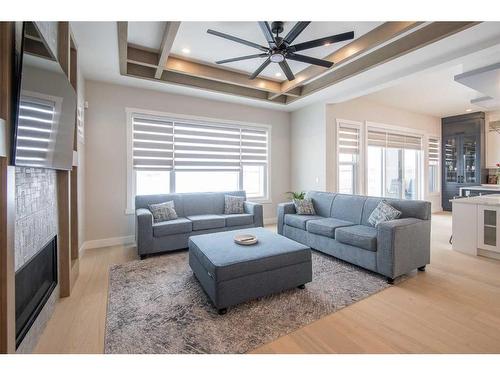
(35, 224)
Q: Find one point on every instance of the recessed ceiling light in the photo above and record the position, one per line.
(278, 74)
(186, 50)
(468, 110)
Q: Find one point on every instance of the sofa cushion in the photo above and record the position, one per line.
(299, 221)
(163, 211)
(234, 220)
(348, 207)
(326, 227)
(304, 206)
(322, 202)
(233, 204)
(383, 212)
(175, 226)
(359, 236)
(201, 222)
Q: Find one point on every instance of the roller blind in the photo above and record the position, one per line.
(165, 144)
(348, 140)
(393, 140)
(152, 143)
(206, 147)
(433, 149)
(36, 120)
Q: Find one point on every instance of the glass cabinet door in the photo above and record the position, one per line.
(469, 152)
(451, 159)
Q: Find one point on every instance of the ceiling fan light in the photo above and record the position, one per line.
(277, 57)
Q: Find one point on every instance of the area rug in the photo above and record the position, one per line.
(157, 306)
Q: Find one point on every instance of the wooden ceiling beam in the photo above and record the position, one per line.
(179, 79)
(409, 43)
(373, 38)
(122, 45)
(171, 29)
(149, 58)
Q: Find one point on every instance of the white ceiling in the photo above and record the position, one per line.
(209, 48)
(435, 92)
(472, 48)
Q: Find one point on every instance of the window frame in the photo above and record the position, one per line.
(131, 178)
(422, 162)
(358, 165)
(436, 193)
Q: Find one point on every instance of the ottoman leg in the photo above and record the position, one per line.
(222, 311)
(301, 286)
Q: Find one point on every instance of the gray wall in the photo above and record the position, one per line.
(106, 173)
(308, 145)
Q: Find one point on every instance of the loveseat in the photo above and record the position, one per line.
(198, 213)
(340, 228)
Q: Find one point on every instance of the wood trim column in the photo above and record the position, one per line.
(64, 236)
(7, 199)
(68, 269)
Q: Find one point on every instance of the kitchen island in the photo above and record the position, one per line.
(476, 225)
(471, 191)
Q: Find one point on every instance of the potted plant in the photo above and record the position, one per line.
(296, 195)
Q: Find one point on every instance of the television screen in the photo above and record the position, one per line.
(45, 111)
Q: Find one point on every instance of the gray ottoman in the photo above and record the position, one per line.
(231, 273)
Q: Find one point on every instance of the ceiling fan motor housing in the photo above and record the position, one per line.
(277, 27)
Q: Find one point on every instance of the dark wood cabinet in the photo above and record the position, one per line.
(462, 154)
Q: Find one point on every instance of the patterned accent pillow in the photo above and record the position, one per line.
(304, 206)
(233, 204)
(163, 211)
(383, 212)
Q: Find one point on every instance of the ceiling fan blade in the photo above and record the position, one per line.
(268, 34)
(237, 40)
(286, 69)
(322, 41)
(260, 68)
(242, 58)
(309, 60)
(296, 30)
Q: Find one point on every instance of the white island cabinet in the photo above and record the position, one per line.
(476, 225)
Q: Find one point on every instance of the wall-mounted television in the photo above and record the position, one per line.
(44, 114)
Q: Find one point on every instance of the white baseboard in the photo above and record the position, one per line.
(270, 220)
(106, 242)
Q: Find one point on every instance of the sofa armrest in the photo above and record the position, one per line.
(257, 210)
(402, 246)
(283, 209)
(144, 230)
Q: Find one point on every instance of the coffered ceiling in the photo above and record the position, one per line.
(183, 54)
(206, 48)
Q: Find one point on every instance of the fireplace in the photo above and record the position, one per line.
(35, 281)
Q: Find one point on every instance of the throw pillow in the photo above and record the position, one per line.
(383, 212)
(233, 204)
(163, 211)
(304, 206)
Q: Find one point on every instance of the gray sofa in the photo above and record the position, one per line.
(340, 228)
(198, 213)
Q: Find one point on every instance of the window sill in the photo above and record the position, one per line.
(260, 200)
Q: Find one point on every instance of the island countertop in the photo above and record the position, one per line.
(487, 200)
(485, 187)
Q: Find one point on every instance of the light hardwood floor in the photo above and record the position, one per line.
(453, 307)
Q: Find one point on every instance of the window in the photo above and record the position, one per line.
(393, 165)
(37, 118)
(433, 157)
(179, 155)
(348, 149)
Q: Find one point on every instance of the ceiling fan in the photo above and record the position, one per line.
(281, 49)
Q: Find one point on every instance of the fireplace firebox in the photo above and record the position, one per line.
(35, 281)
